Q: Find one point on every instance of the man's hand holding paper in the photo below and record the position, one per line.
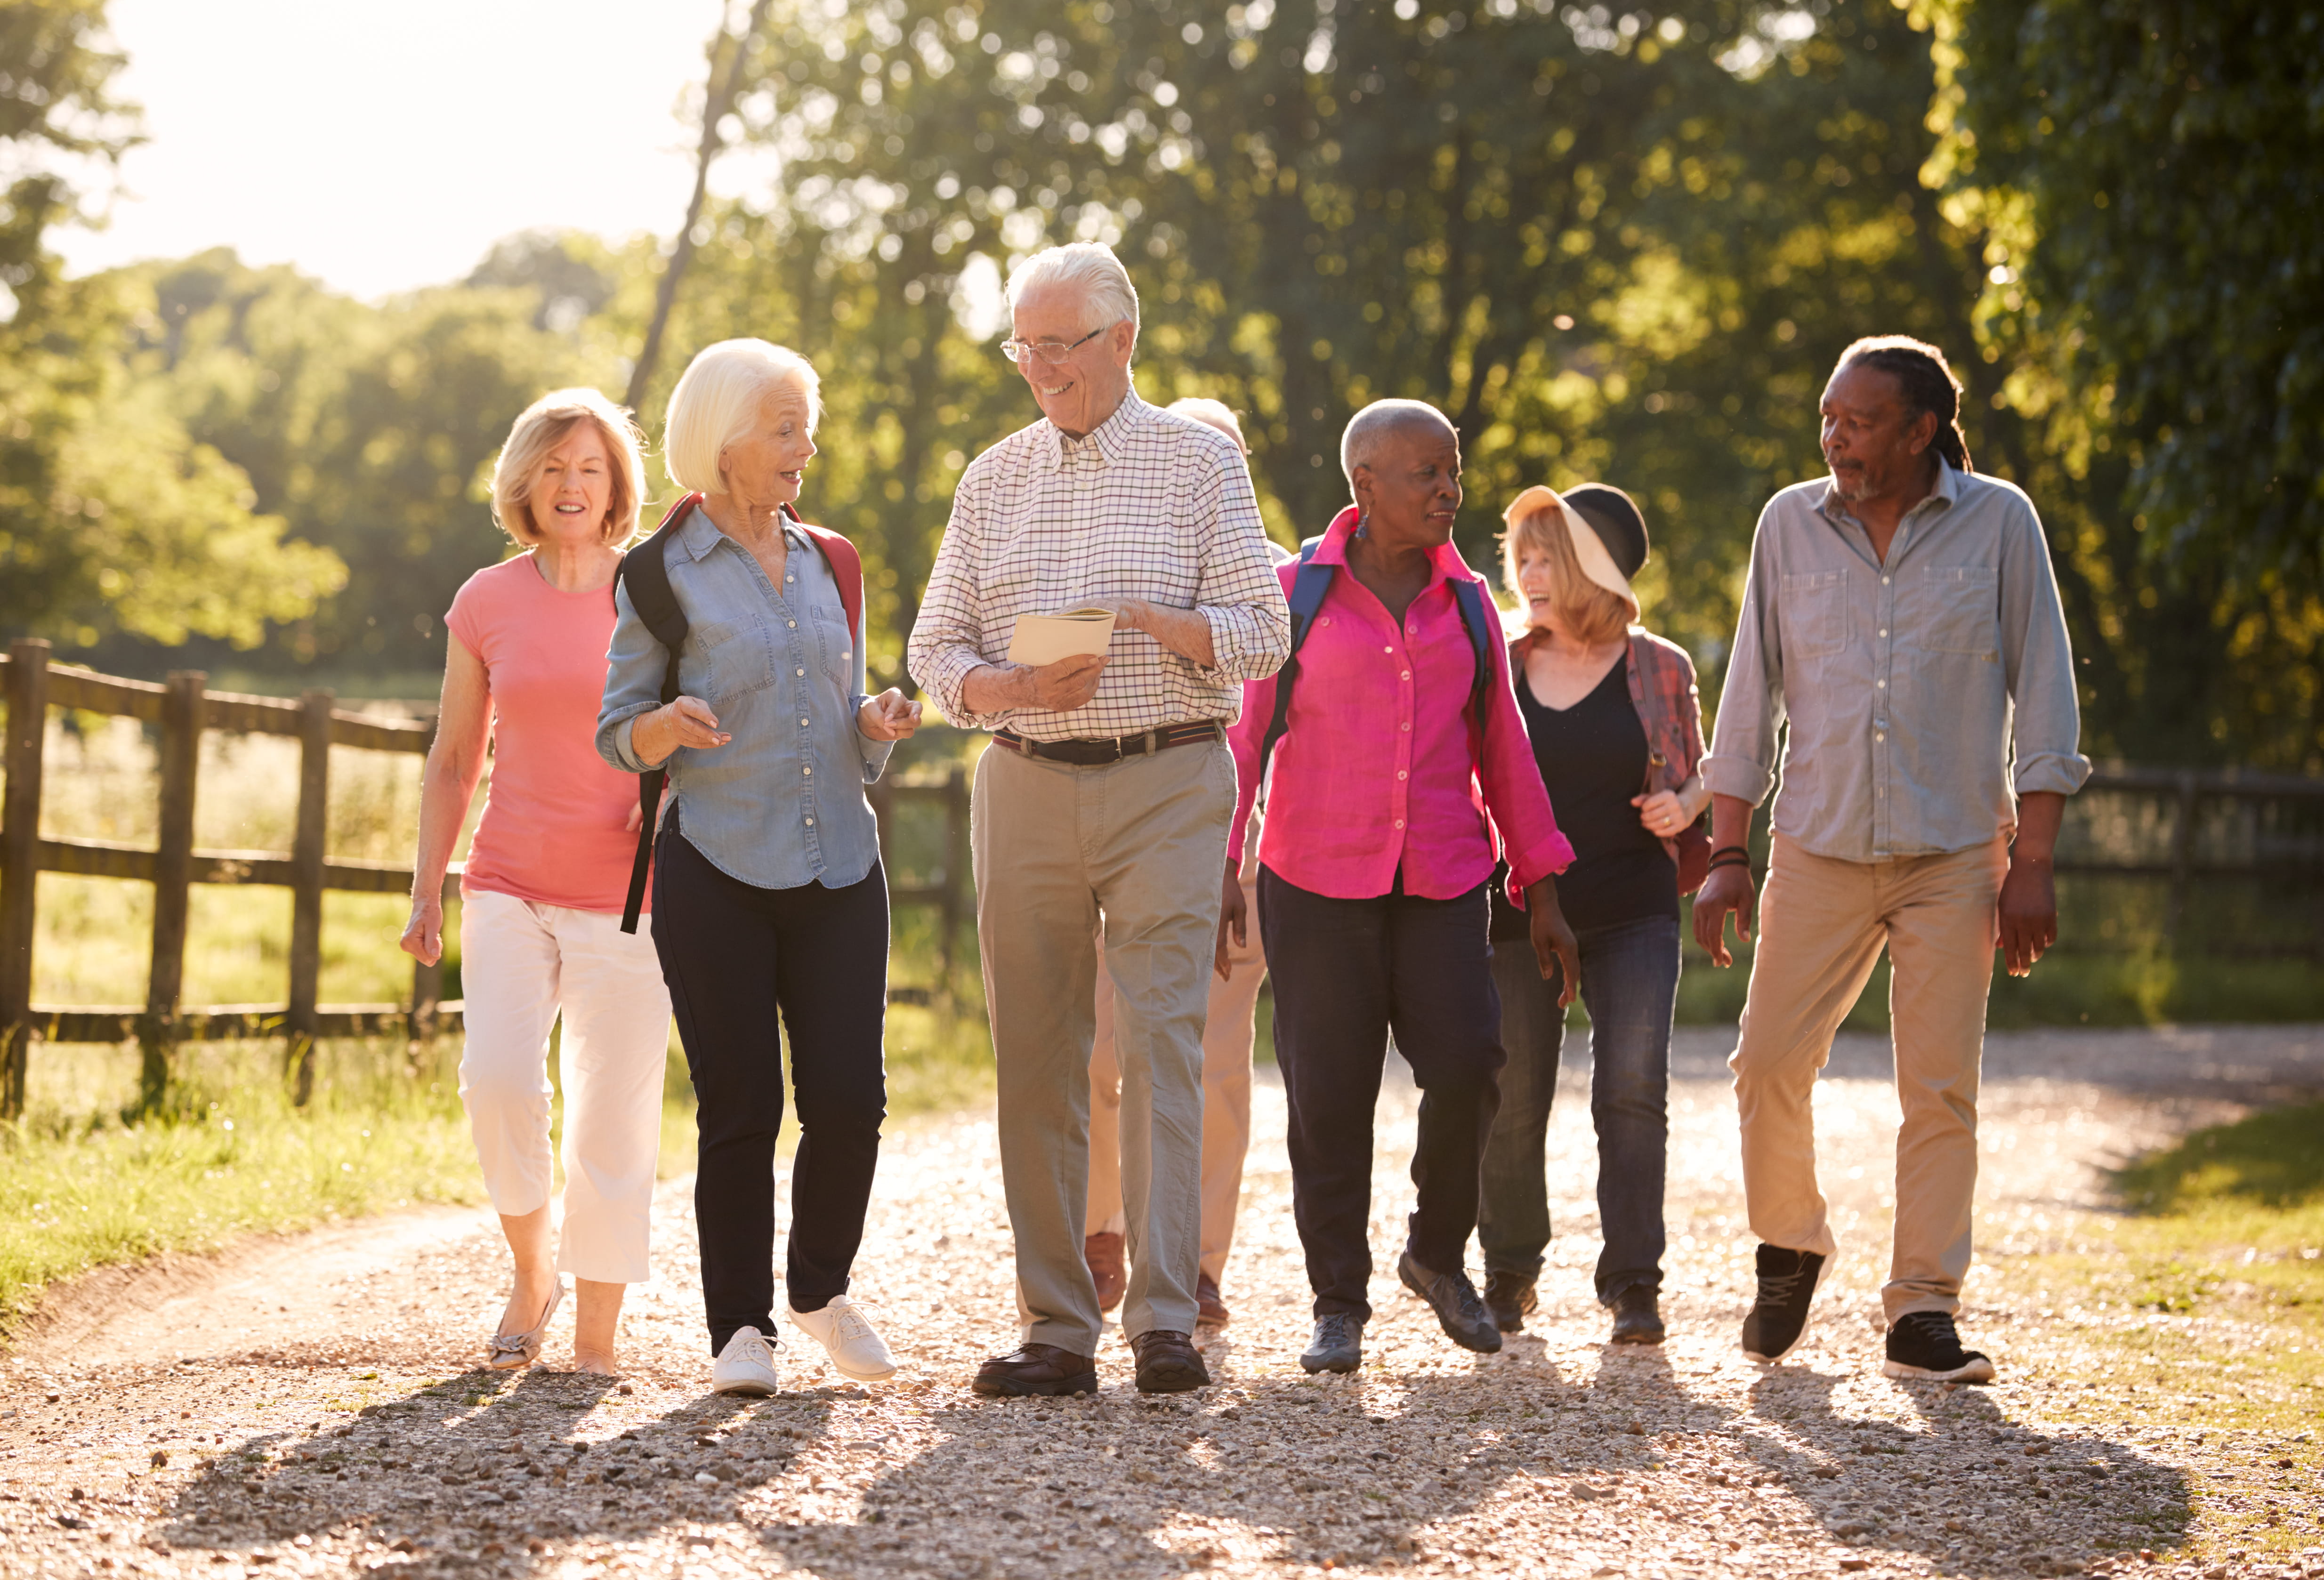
(1041, 640)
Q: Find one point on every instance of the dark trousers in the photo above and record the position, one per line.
(1629, 982)
(1348, 971)
(740, 961)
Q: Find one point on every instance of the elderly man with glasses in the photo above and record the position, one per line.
(1106, 801)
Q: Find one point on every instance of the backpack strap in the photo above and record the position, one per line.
(645, 572)
(1307, 590)
(846, 570)
(1484, 634)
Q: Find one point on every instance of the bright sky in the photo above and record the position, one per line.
(383, 147)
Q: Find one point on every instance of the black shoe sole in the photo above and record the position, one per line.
(1175, 1378)
(1509, 1324)
(1009, 1388)
(1475, 1343)
(1312, 1365)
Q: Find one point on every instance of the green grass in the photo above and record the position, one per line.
(2208, 1290)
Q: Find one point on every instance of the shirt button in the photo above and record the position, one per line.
(1399, 822)
(1883, 685)
(1400, 773)
(798, 672)
(1883, 631)
(1407, 726)
(1884, 581)
(810, 822)
(792, 624)
(1407, 674)
(789, 578)
(802, 724)
(1387, 650)
(808, 768)
(1880, 736)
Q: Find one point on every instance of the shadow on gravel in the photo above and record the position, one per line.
(482, 1471)
(1968, 1493)
(1307, 1471)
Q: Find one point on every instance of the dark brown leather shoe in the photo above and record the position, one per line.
(1210, 1311)
(1510, 1300)
(1042, 1369)
(1103, 1252)
(1168, 1362)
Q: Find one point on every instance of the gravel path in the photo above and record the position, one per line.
(303, 1406)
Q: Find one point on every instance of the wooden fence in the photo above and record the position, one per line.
(182, 710)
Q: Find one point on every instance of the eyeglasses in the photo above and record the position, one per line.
(1050, 351)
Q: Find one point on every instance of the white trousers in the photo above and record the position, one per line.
(520, 964)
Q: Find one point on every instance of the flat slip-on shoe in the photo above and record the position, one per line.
(512, 1351)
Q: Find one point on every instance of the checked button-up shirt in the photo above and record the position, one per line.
(1148, 505)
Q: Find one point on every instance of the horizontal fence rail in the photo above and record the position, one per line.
(183, 711)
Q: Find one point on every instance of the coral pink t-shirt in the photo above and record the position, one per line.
(555, 824)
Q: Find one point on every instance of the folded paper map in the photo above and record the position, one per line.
(1044, 639)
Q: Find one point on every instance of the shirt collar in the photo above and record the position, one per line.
(1945, 494)
(698, 535)
(1444, 560)
(1111, 436)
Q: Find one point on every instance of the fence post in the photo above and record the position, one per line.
(427, 981)
(174, 868)
(2182, 855)
(306, 887)
(20, 861)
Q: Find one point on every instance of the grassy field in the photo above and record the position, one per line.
(2205, 1299)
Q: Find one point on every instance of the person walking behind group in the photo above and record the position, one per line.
(1374, 865)
(1617, 732)
(1229, 1032)
(1107, 793)
(1901, 615)
(541, 893)
(770, 908)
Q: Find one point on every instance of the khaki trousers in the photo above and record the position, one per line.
(1142, 843)
(1229, 1032)
(1822, 924)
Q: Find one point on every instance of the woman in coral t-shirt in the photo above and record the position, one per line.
(547, 873)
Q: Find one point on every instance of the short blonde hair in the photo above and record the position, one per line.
(539, 428)
(1586, 612)
(717, 399)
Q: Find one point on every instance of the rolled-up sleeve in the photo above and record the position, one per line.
(1510, 776)
(2038, 658)
(945, 644)
(1240, 597)
(634, 667)
(1745, 736)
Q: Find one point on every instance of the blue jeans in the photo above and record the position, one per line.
(1629, 983)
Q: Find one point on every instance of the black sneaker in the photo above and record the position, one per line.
(1923, 1344)
(1454, 1300)
(1779, 1315)
(1637, 1316)
(1509, 1298)
(1338, 1344)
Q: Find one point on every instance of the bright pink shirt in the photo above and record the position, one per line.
(555, 829)
(1375, 770)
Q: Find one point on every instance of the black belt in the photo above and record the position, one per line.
(1109, 748)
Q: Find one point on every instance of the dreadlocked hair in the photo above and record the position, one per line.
(1926, 380)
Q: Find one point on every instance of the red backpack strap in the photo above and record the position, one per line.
(846, 570)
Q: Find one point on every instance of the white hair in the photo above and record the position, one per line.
(1092, 267)
(717, 399)
(1375, 422)
(1212, 413)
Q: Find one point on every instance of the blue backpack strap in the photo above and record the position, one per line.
(1307, 590)
(645, 572)
(1484, 633)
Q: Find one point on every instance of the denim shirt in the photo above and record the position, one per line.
(781, 804)
(1922, 694)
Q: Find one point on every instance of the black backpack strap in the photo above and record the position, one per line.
(645, 572)
(1307, 590)
(1484, 634)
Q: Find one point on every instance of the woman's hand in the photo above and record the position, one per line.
(687, 722)
(886, 717)
(423, 935)
(1663, 813)
(1553, 948)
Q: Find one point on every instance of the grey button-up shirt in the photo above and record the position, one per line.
(1923, 694)
(782, 803)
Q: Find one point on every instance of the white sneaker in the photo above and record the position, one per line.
(746, 1365)
(851, 1342)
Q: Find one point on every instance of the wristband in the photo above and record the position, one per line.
(1731, 850)
(1728, 858)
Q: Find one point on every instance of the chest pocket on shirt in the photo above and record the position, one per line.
(737, 657)
(1949, 609)
(838, 647)
(1813, 606)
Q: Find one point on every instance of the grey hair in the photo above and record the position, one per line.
(1213, 414)
(717, 400)
(1367, 427)
(1091, 266)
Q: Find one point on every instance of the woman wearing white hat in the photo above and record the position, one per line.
(1617, 728)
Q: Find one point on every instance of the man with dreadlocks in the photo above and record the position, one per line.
(1902, 618)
